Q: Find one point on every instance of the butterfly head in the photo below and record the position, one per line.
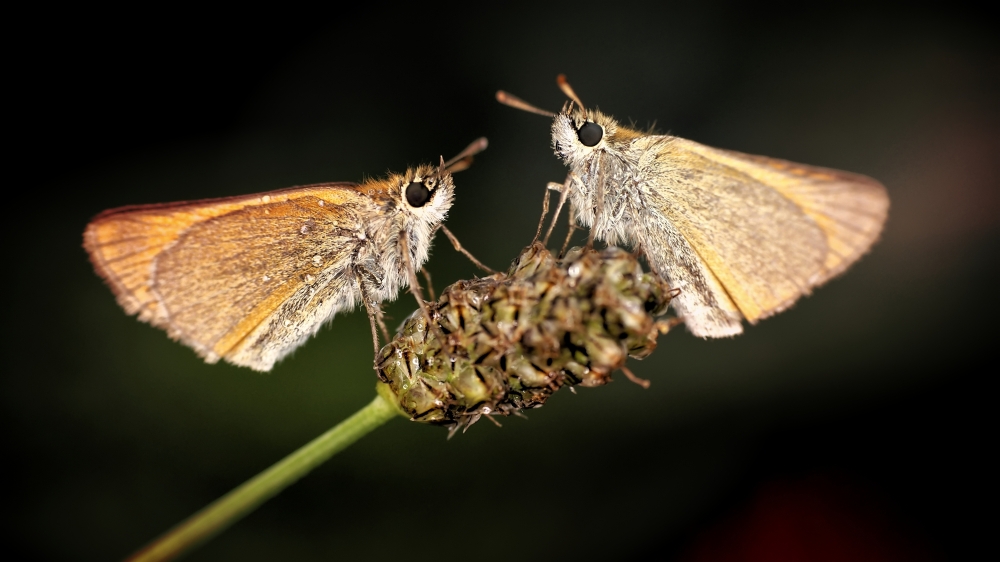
(425, 194)
(579, 134)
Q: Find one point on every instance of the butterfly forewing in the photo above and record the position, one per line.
(851, 209)
(768, 229)
(778, 248)
(202, 271)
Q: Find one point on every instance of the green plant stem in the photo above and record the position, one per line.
(231, 507)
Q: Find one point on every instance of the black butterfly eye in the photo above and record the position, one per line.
(590, 134)
(417, 194)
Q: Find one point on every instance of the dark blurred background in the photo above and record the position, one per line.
(858, 420)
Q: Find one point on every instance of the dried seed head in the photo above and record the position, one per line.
(511, 340)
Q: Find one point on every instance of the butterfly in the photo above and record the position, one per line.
(250, 278)
(739, 236)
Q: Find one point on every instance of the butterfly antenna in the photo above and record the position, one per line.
(463, 160)
(568, 90)
(517, 103)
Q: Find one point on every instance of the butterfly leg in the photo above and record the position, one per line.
(430, 285)
(664, 326)
(367, 275)
(632, 377)
(463, 251)
(371, 316)
(563, 189)
(637, 251)
(545, 211)
(599, 212)
(569, 233)
(411, 277)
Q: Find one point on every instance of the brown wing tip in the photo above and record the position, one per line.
(122, 295)
(94, 254)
